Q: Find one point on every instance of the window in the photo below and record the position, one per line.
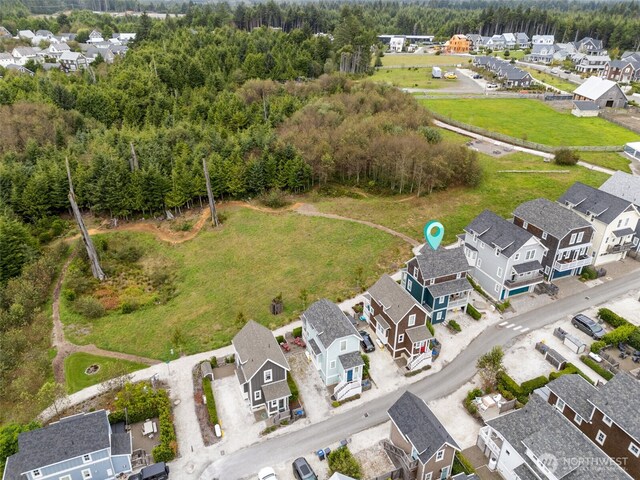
(525, 225)
(517, 257)
(415, 272)
(560, 404)
(409, 284)
(66, 477)
(36, 473)
(427, 476)
(544, 235)
(626, 222)
(578, 419)
(86, 458)
(86, 473)
(633, 448)
(458, 275)
(497, 287)
(530, 254)
(440, 455)
(601, 437)
(268, 376)
(332, 364)
(343, 345)
(607, 421)
(499, 272)
(481, 245)
(497, 252)
(257, 395)
(573, 238)
(619, 223)
(580, 237)
(412, 320)
(479, 264)
(401, 338)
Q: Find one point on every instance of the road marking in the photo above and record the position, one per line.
(510, 325)
(524, 329)
(502, 324)
(518, 327)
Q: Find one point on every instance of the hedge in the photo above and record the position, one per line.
(341, 460)
(461, 465)
(473, 312)
(297, 332)
(620, 334)
(530, 385)
(597, 346)
(431, 329)
(280, 339)
(611, 318)
(569, 369)
(293, 387)
(455, 326)
(211, 401)
(509, 388)
(596, 367)
(589, 273)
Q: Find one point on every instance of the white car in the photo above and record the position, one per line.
(492, 85)
(267, 473)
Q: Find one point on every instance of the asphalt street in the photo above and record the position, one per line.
(303, 442)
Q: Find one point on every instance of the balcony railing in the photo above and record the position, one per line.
(494, 443)
(571, 263)
(623, 247)
(522, 282)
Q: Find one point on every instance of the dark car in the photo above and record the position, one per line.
(366, 343)
(588, 326)
(477, 76)
(302, 470)
(157, 471)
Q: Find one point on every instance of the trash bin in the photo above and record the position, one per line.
(320, 454)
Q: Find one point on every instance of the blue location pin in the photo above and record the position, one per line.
(433, 233)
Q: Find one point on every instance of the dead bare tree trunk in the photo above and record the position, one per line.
(91, 250)
(134, 159)
(212, 202)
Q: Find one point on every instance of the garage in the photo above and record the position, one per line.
(518, 291)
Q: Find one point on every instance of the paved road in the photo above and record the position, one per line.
(303, 442)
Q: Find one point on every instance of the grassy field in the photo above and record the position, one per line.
(455, 208)
(76, 364)
(531, 120)
(241, 268)
(612, 160)
(513, 54)
(422, 60)
(410, 77)
(551, 79)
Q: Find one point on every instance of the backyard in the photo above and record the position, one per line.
(82, 370)
(230, 270)
(422, 60)
(550, 79)
(410, 77)
(531, 120)
(612, 160)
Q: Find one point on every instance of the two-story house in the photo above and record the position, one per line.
(608, 415)
(333, 344)
(506, 259)
(21, 55)
(262, 369)
(457, 44)
(543, 40)
(79, 447)
(437, 279)
(625, 186)
(418, 440)
(538, 442)
(624, 71)
(399, 321)
(614, 220)
(566, 235)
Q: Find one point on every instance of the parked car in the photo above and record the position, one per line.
(477, 76)
(366, 343)
(302, 470)
(267, 473)
(588, 326)
(491, 86)
(450, 76)
(157, 471)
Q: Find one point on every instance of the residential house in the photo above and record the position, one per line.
(26, 34)
(262, 369)
(4, 33)
(585, 108)
(614, 220)
(510, 41)
(396, 44)
(496, 42)
(609, 415)
(541, 53)
(590, 63)
(511, 76)
(6, 59)
(505, 259)
(92, 54)
(624, 70)
(566, 235)
(522, 40)
(475, 41)
(418, 440)
(563, 51)
(543, 40)
(82, 446)
(20, 69)
(55, 50)
(21, 55)
(603, 92)
(626, 186)
(515, 77)
(538, 442)
(333, 344)
(73, 61)
(437, 279)
(589, 45)
(95, 37)
(124, 37)
(399, 322)
(457, 44)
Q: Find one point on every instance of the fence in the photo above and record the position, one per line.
(393, 475)
(611, 118)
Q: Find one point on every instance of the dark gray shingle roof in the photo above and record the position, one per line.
(417, 422)
(255, 344)
(575, 391)
(551, 217)
(121, 443)
(588, 200)
(69, 438)
(396, 300)
(329, 321)
(623, 232)
(585, 105)
(496, 231)
(527, 266)
(441, 262)
(618, 399)
(351, 360)
(450, 287)
(419, 333)
(276, 390)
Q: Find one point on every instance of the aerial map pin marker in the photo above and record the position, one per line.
(433, 233)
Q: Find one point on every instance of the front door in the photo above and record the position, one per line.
(349, 375)
(444, 473)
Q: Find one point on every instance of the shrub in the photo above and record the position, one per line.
(508, 384)
(620, 334)
(297, 332)
(455, 325)
(503, 306)
(365, 368)
(89, 307)
(596, 367)
(569, 369)
(564, 156)
(274, 198)
(292, 387)
(341, 460)
(211, 401)
(129, 306)
(335, 404)
(231, 358)
(431, 134)
(471, 407)
(432, 331)
(634, 339)
(214, 362)
(589, 273)
(461, 465)
(473, 312)
(597, 346)
(530, 385)
(611, 318)
(280, 339)
(68, 294)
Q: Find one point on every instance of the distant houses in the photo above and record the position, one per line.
(510, 75)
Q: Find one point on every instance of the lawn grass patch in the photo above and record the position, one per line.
(211, 401)
(531, 120)
(410, 78)
(241, 267)
(549, 79)
(611, 160)
(422, 60)
(76, 364)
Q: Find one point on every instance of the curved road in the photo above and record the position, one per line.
(279, 449)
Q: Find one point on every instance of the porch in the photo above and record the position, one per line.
(574, 261)
(350, 373)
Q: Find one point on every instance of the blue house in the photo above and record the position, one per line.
(80, 447)
(438, 280)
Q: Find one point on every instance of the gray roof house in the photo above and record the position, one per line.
(82, 446)
(606, 93)
(262, 370)
(333, 344)
(505, 258)
(614, 219)
(626, 186)
(419, 440)
(566, 235)
(539, 442)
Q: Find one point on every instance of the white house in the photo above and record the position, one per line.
(26, 34)
(627, 187)
(95, 37)
(21, 55)
(543, 40)
(614, 219)
(6, 59)
(396, 44)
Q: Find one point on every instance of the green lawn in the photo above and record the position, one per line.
(422, 59)
(76, 364)
(411, 78)
(612, 160)
(513, 54)
(242, 267)
(531, 120)
(550, 79)
(455, 208)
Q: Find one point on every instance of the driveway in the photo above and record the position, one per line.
(315, 396)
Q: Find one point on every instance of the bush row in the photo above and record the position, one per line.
(611, 318)
(211, 401)
(596, 367)
(292, 387)
(473, 312)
